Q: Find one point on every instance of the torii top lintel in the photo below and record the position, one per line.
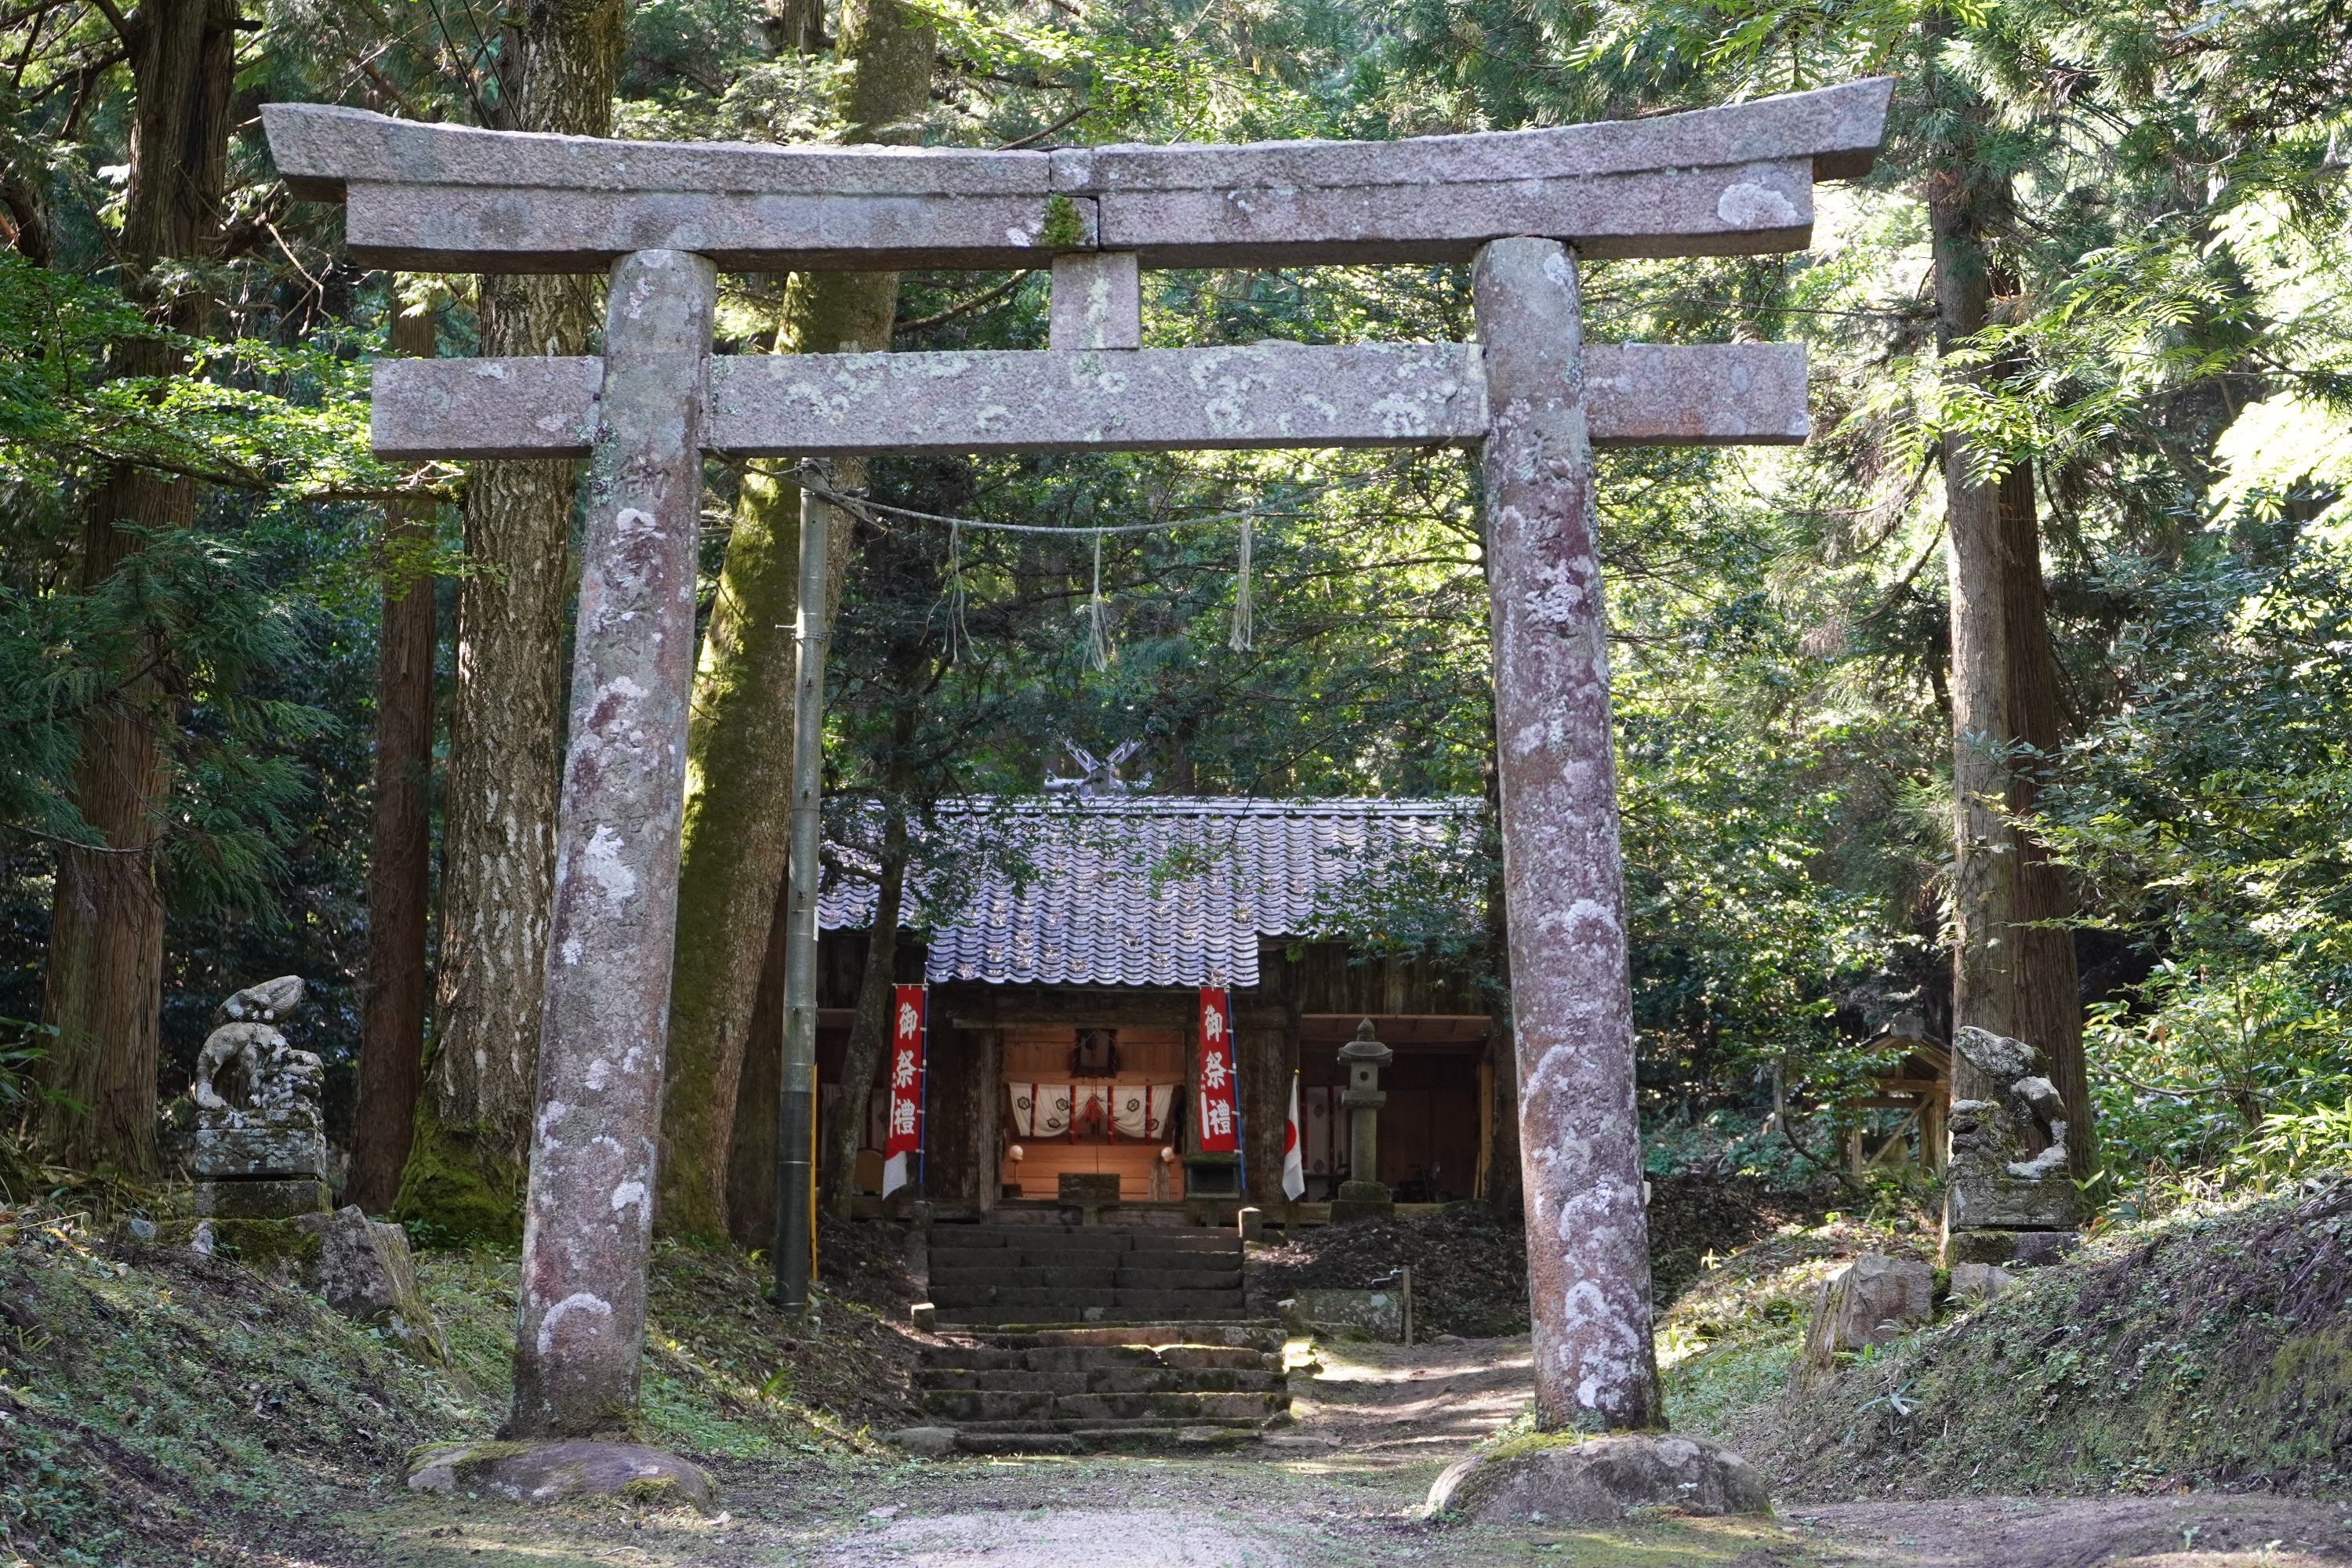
(1734, 180)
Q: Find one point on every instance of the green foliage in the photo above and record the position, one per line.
(2206, 813)
(2299, 1142)
(245, 413)
(188, 605)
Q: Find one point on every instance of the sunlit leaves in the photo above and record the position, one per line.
(243, 412)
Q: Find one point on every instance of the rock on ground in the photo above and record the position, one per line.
(930, 1442)
(366, 1271)
(1979, 1281)
(543, 1472)
(1599, 1480)
(1874, 1300)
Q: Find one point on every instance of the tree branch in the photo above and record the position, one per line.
(976, 302)
(120, 25)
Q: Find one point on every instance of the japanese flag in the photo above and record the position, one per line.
(1294, 1163)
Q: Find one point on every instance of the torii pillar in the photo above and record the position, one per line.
(1563, 874)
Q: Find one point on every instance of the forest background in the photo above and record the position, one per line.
(2018, 697)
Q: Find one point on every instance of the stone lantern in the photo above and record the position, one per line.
(1362, 1196)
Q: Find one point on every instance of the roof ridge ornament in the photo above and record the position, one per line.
(1098, 777)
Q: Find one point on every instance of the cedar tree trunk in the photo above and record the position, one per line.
(752, 1160)
(464, 1171)
(400, 868)
(103, 990)
(739, 748)
(2008, 976)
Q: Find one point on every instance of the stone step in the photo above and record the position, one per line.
(1017, 1442)
(1207, 1436)
(1236, 1358)
(1234, 1332)
(1044, 1358)
(1186, 1440)
(1004, 1404)
(1031, 1296)
(1256, 1406)
(1090, 1276)
(1175, 1438)
(1035, 1319)
(1013, 1260)
(1086, 1358)
(1085, 1237)
(1152, 1277)
(1104, 1380)
(1087, 1425)
(1052, 1277)
(987, 1405)
(1071, 1277)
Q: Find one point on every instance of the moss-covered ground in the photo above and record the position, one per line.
(2213, 1348)
(157, 1406)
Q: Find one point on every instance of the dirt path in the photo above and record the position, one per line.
(1341, 1489)
(2196, 1531)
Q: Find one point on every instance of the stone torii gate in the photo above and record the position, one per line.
(1521, 206)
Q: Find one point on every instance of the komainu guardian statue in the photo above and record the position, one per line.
(2008, 1196)
(261, 1138)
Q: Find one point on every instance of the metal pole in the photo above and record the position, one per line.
(796, 1113)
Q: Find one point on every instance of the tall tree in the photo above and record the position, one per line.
(738, 750)
(400, 868)
(2010, 974)
(103, 989)
(558, 64)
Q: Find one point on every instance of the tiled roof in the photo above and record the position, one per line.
(1146, 889)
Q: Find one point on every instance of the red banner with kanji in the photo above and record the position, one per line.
(1219, 1115)
(903, 1132)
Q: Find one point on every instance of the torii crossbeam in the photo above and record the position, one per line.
(1520, 205)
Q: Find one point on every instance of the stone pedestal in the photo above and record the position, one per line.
(262, 1198)
(1213, 1187)
(2008, 1249)
(1359, 1201)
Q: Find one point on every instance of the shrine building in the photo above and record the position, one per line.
(1063, 1000)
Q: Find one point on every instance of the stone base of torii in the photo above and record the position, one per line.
(1520, 207)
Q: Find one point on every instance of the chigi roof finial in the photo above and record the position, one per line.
(1100, 775)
